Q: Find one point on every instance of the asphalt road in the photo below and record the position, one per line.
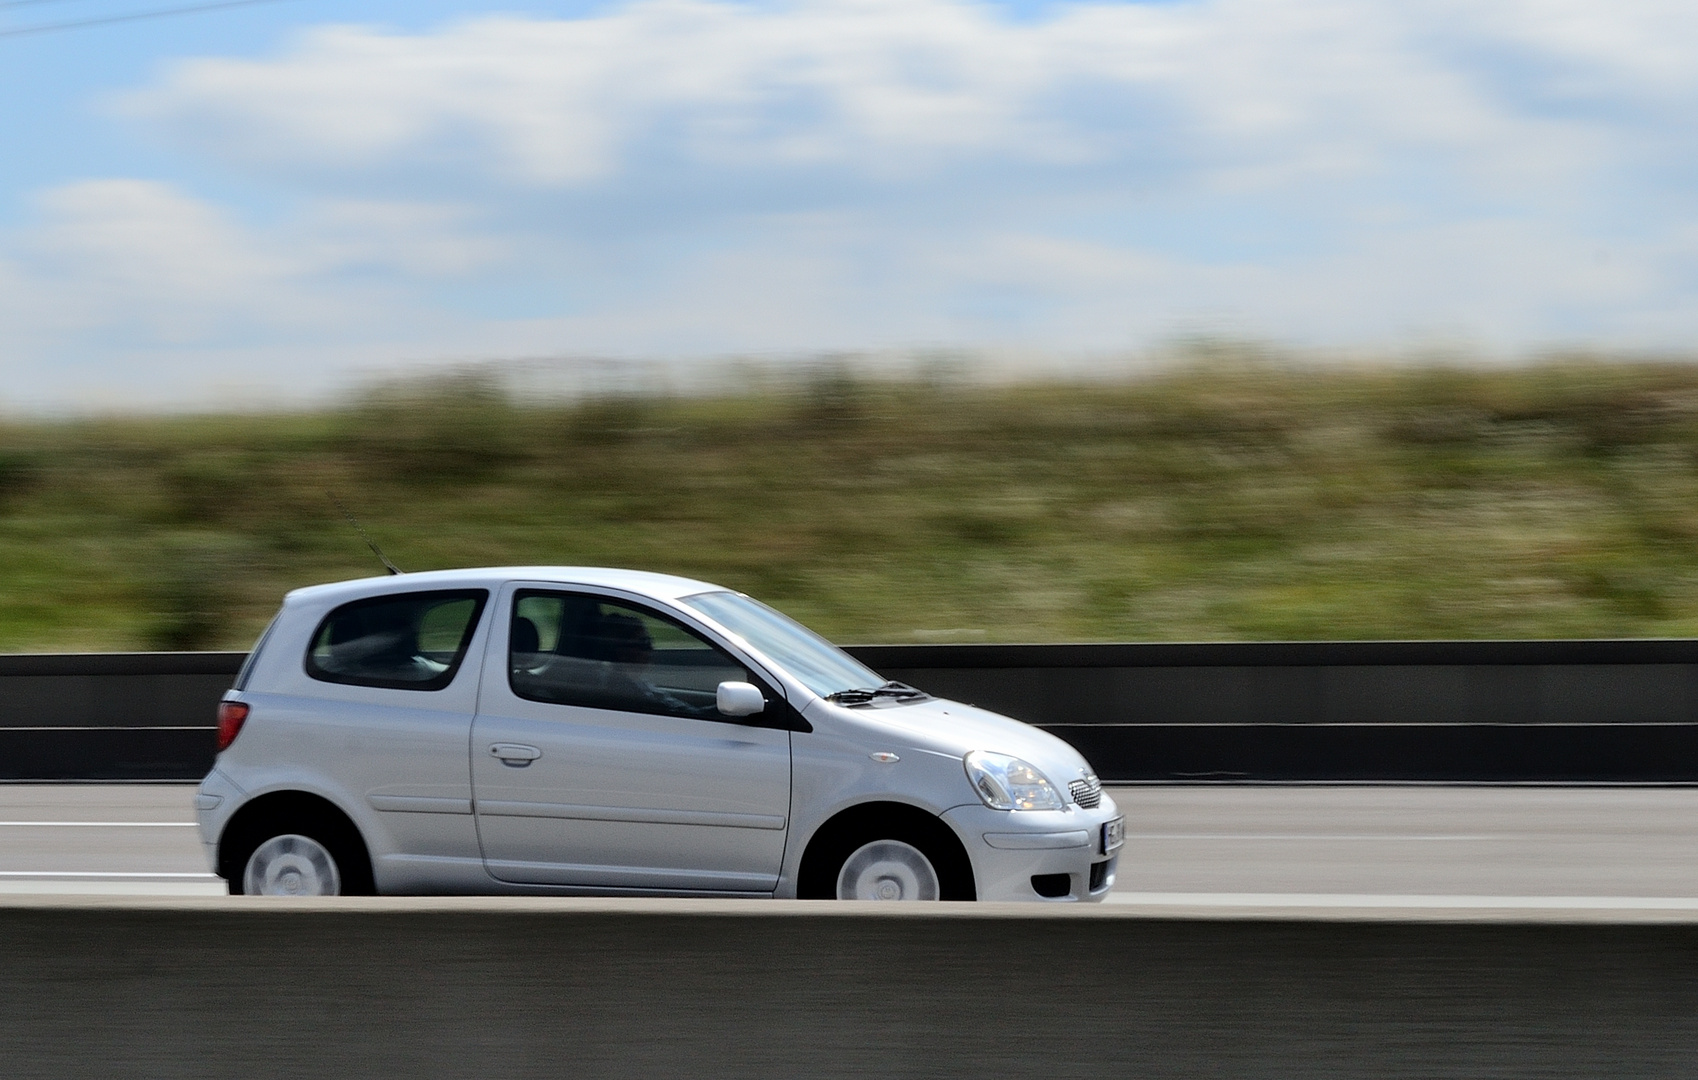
(1410, 846)
(87, 838)
(1209, 846)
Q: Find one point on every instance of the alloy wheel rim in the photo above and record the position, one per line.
(291, 865)
(887, 870)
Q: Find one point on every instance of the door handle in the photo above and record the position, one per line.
(515, 755)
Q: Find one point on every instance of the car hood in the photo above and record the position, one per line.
(949, 727)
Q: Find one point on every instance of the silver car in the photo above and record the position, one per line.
(562, 730)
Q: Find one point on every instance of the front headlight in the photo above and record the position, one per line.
(1007, 783)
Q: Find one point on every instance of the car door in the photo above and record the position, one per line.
(599, 759)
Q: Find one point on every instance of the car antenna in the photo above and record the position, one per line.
(370, 543)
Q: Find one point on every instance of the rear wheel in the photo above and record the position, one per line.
(291, 865)
(295, 847)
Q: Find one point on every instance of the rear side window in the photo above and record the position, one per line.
(410, 641)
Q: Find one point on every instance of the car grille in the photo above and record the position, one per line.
(1087, 792)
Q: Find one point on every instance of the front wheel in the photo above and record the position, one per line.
(887, 870)
(885, 851)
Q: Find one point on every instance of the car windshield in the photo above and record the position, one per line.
(820, 666)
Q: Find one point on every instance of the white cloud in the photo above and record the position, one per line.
(415, 238)
(564, 102)
(694, 177)
(132, 292)
(144, 253)
(1642, 50)
(896, 86)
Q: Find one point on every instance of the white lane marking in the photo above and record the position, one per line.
(85, 887)
(103, 874)
(1319, 836)
(1414, 900)
(97, 824)
(148, 727)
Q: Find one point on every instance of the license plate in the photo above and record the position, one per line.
(1114, 834)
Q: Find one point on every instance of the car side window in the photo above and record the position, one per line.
(578, 649)
(408, 641)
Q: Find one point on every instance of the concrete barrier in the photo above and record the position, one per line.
(589, 989)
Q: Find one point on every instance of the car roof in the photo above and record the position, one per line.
(658, 586)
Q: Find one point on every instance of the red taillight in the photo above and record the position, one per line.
(231, 715)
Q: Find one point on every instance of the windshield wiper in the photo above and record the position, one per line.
(864, 695)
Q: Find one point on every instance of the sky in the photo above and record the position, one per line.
(266, 203)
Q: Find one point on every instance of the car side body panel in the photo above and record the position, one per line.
(394, 761)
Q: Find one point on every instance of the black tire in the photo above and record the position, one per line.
(847, 833)
(327, 826)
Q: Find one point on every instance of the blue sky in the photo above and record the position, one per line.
(266, 203)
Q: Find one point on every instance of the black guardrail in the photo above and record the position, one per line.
(1452, 711)
(110, 716)
(1484, 711)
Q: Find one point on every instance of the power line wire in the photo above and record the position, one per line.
(135, 16)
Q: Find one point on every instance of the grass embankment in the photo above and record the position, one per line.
(1223, 502)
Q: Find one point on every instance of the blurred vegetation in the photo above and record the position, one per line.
(1232, 498)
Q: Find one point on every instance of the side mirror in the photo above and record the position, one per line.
(740, 699)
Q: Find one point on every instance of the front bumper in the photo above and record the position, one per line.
(1025, 855)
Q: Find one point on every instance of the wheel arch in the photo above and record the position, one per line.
(852, 826)
(292, 809)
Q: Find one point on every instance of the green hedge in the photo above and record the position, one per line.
(1245, 500)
